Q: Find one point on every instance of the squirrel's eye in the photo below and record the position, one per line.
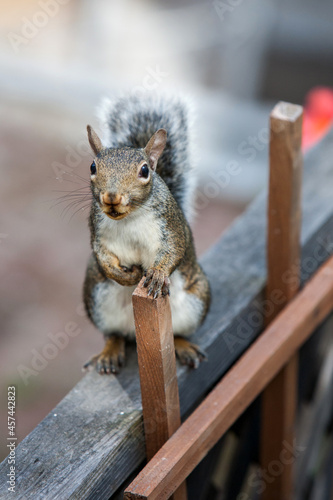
(93, 169)
(144, 171)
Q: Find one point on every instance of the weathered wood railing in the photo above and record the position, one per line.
(93, 440)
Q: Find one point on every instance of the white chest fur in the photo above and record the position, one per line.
(134, 239)
(114, 312)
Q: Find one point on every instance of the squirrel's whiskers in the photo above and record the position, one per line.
(80, 197)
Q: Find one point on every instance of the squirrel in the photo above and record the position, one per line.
(142, 188)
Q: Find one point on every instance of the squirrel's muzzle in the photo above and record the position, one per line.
(110, 199)
(114, 205)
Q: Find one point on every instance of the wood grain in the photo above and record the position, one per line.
(95, 441)
(284, 203)
(283, 274)
(240, 386)
(157, 369)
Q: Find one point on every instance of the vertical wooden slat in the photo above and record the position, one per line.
(283, 278)
(158, 374)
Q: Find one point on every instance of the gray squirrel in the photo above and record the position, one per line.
(142, 192)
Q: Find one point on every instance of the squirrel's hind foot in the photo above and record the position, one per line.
(111, 359)
(188, 354)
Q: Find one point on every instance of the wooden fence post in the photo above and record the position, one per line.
(158, 374)
(283, 278)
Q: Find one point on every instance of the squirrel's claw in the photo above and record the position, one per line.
(105, 364)
(149, 275)
(111, 359)
(131, 270)
(126, 269)
(131, 275)
(157, 282)
(166, 287)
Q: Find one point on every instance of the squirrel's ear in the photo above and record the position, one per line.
(155, 146)
(94, 140)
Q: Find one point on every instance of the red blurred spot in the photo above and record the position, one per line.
(318, 115)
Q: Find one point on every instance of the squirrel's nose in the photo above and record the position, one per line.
(110, 198)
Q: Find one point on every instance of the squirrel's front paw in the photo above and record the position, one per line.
(132, 274)
(157, 282)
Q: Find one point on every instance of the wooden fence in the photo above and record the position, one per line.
(93, 441)
(269, 365)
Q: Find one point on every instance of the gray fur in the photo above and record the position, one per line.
(148, 234)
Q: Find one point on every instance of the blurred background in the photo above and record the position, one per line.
(58, 58)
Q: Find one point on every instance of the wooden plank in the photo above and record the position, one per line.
(283, 274)
(322, 407)
(284, 203)
(157, 369)
(240, 386)
(95, 441)
(278, 412)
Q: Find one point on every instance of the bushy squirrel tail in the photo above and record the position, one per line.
(132, 120)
